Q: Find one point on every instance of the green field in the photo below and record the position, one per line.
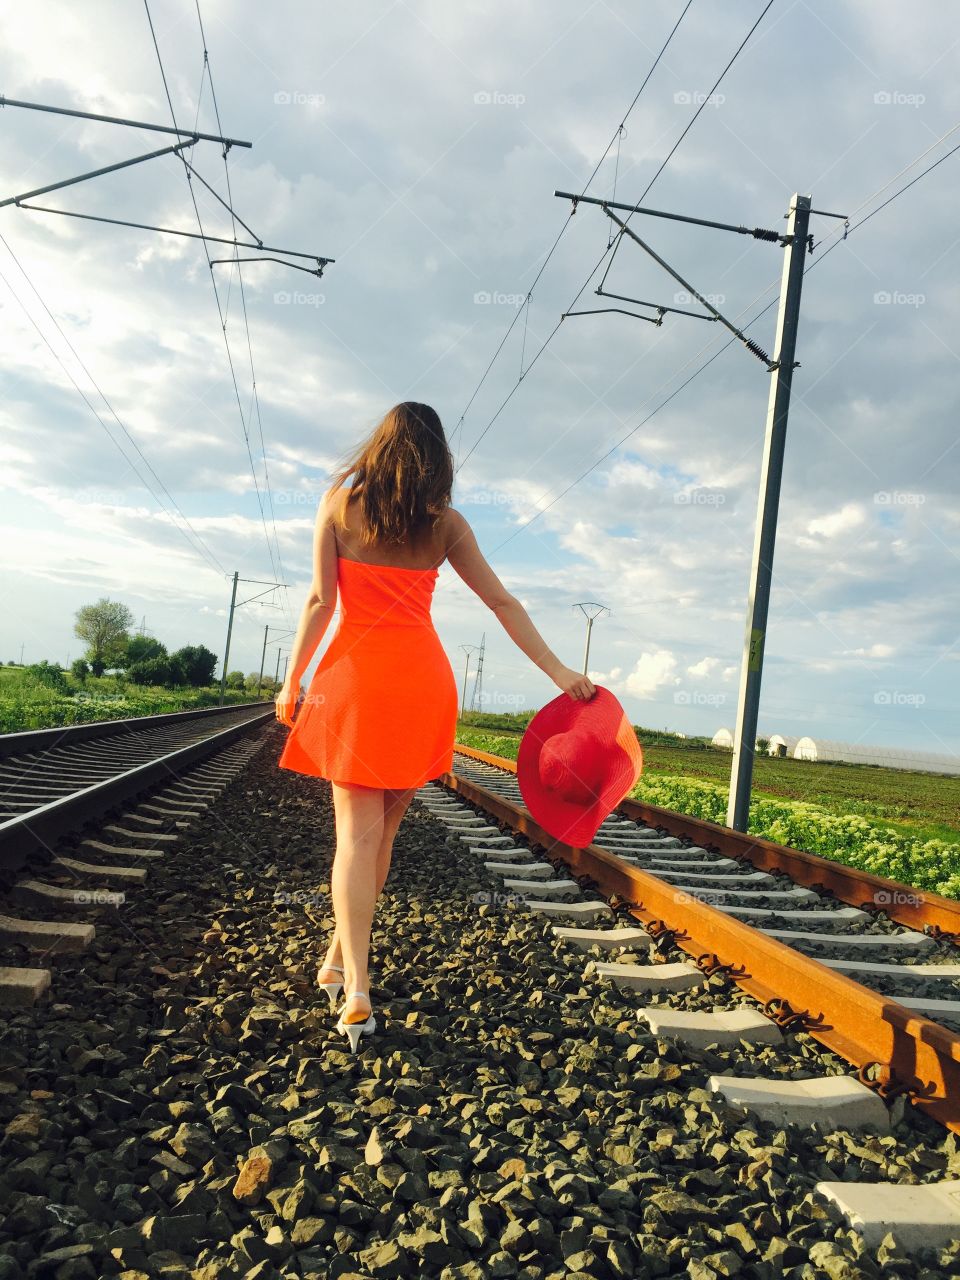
(28, 703)
(924, 804)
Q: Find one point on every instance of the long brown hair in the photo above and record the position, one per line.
(402, 475)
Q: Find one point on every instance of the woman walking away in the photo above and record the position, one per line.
(380, 714)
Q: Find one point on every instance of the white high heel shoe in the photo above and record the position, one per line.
(331, 988)
(355, 1029)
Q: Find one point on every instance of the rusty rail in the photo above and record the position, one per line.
(916, 1057)
(916, 908)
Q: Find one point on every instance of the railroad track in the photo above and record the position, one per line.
(184, 1105)
(810, 960)
(141, 781)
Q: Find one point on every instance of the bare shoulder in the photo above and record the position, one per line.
(453, 521)
(453, 528)
(331, 504)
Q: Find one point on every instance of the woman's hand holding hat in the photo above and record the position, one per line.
(580, 687)
(577, 760)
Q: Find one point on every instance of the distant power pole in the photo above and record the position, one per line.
(233, 608)
(591, 617)
(284, 635)
(468, 649)
(476, 701)
(226, 650)
(263, 658)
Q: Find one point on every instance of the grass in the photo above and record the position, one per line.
(29, 703)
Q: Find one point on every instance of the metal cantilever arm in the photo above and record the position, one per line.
(660, 306)
(747, 342)
(173, 231)
(610, 311)
(133, 124)
(311, 271)
(95, 173)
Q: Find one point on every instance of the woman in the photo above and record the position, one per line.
(380, 715)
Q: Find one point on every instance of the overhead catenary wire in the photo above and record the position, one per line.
(560, 234)
(243, 304)
(611, 251)
(839, 236)
(193, 538)
(216, 293)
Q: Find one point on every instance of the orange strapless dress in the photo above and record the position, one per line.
(381, 709)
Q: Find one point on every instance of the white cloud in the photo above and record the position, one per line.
(876, 650)
(651, 672)
(704, 668)
(850, 516)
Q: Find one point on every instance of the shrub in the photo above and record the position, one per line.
(50, 674)
(149, 671)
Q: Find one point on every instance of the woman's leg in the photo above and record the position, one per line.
(395, 805)
(353, 882)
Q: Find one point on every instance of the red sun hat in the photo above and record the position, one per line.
(577, 760)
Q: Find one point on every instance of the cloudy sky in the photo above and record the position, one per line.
(419, 144)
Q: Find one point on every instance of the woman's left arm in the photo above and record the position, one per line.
(317, 610)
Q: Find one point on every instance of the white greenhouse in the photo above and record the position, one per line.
(785, 745)
(887, 757)
(724, 738)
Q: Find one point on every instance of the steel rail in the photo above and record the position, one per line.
(916, 908)
(915, 1056)
(43, 826)
(30, 740)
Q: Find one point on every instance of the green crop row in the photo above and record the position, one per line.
(848, 838)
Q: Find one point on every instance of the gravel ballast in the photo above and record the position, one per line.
(180, 1104)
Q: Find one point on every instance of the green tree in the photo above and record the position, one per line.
(79, 669)
(104, 628)
(235, 680)
(176, 671)
(140, 648)
(198, 664)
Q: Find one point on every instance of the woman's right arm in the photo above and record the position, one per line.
(468, 560)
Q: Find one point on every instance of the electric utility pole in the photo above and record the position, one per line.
(263, 658)
(797, 241)
(284, 635)
(233, 608)
(468, 649)
(761, 571)
(583, 606)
